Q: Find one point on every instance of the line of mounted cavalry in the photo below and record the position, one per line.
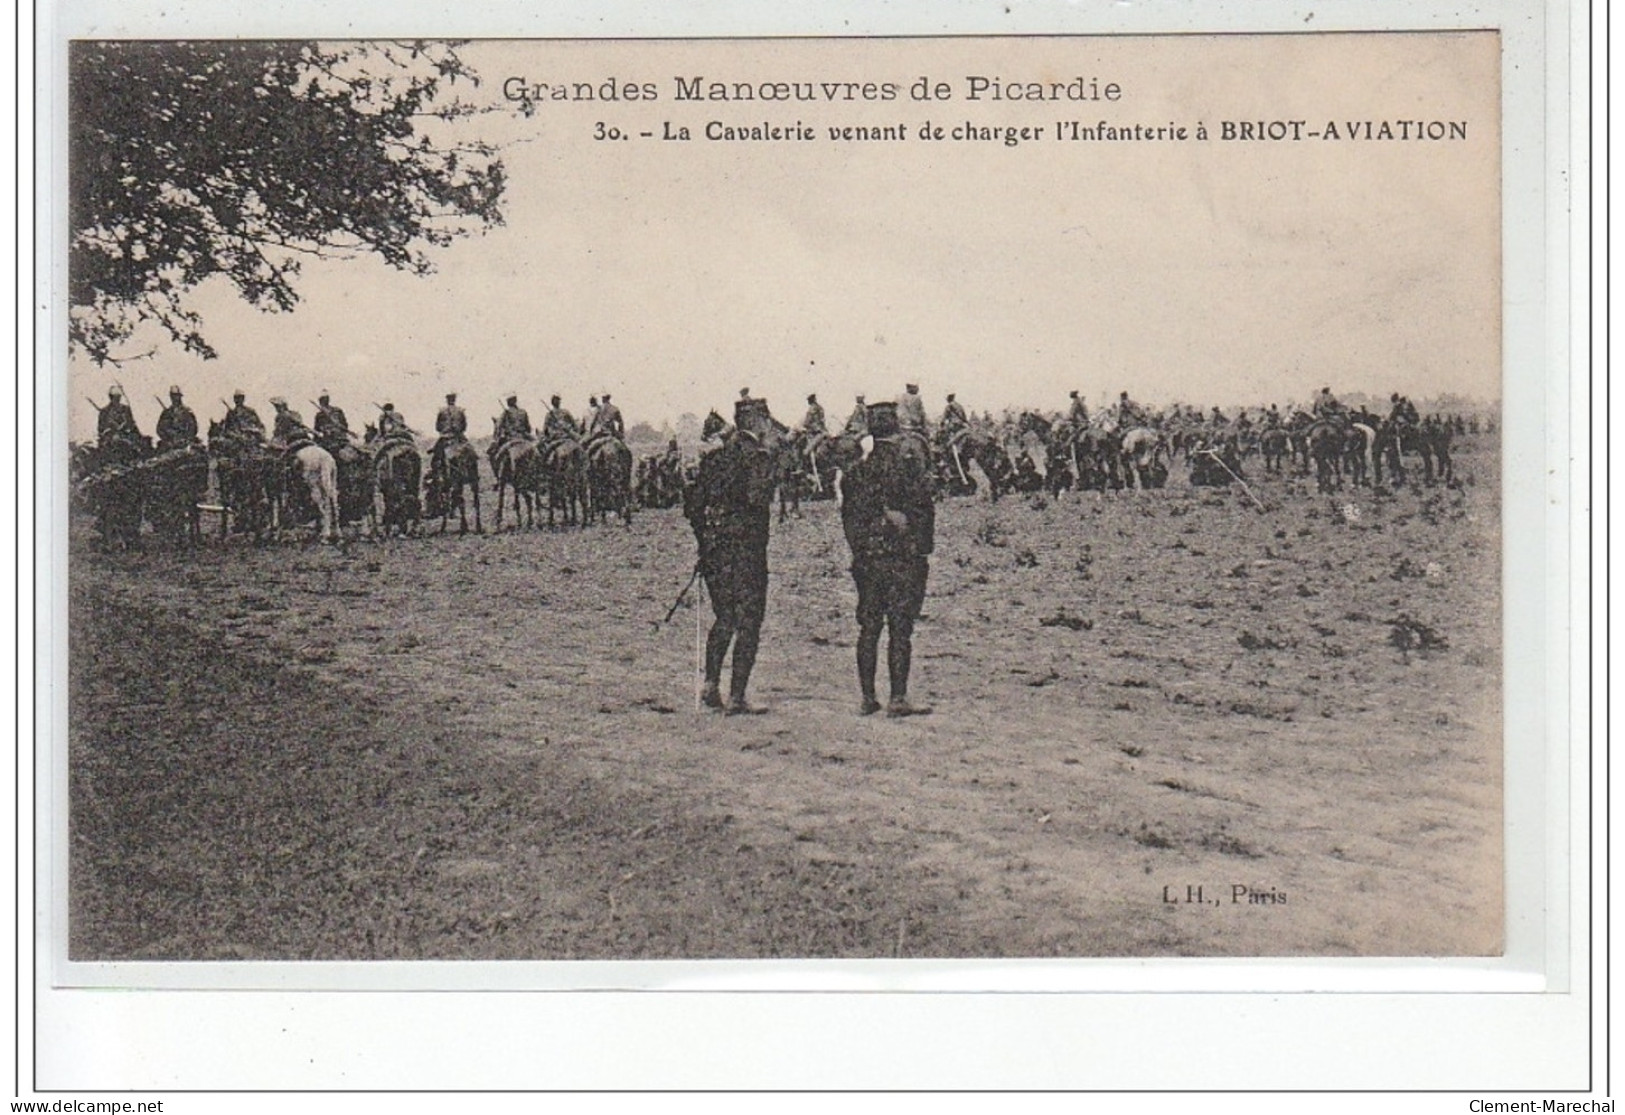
(384, 481)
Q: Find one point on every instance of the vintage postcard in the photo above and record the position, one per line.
(963, 498)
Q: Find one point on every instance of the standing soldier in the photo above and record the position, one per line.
(514, 421)
(177, 425)
(115, 422)
(451, 426)
(332, 426)
(729, 506)
(890, 524)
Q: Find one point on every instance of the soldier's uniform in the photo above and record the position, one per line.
(910, 410)
(332, 425)
(391, 424)
(559, 425)
(889, 520)
(607, 422)
(954, 418)
(1327, 406)
(289, 428)
(729, 507)
(243, 422)
(514, 422)
(813, 423)
(177, 425)
(1129, 414)
(858, 424)
(116, 422)
(1078, 415)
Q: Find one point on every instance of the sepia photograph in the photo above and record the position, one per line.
(921, 498)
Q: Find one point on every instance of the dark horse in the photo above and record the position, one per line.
(178, 483)
(247, 475)
(609, 478)
(979, 448)
(451, 473)
(517, 464)
(564, 464)
(109, 478)
(398, 473)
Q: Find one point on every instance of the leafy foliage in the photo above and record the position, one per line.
(240, 159)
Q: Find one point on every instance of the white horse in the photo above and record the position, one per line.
(321, 476)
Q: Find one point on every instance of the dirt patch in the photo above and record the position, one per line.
(453, 748)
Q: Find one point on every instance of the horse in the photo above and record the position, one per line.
(110, 481)
(1358, 458)
(1274, 444)
(397, 469)
(517, 464)
(1060, 462)
(316, 476)
(974, 447)
(1144, 456)
(1327, 442)
(564, 464)
(246, 474)
(451, 473)
(609, 478)
(177, 486)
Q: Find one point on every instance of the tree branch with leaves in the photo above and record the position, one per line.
(190, 160)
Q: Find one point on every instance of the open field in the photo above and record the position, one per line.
(485, 747)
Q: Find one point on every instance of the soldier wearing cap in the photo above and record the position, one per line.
(177, 425)
(391, 424)
(813, 423)
(857, 425)
(289, 427)
(243, 421)
(332, 426)
(1327, 406)
(911, 410)
(560, 424)
(1078, 415)
(729, 507)
(889, 520)
(607, 421)
(116, 422)
(514, 422)
(954, 418)
(1129, 414)
(450, 427)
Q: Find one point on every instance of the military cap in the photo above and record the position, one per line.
(746, 406)
(554, 400)
(237, 394)
(175, 390)
(513, 400)
(950, 396)
(115, 393)
(1072, 394)
(451, 396)
(279, 401)
(812, 398)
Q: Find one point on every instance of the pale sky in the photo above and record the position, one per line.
(672, 274)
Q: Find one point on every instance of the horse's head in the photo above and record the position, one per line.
(713, 427)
